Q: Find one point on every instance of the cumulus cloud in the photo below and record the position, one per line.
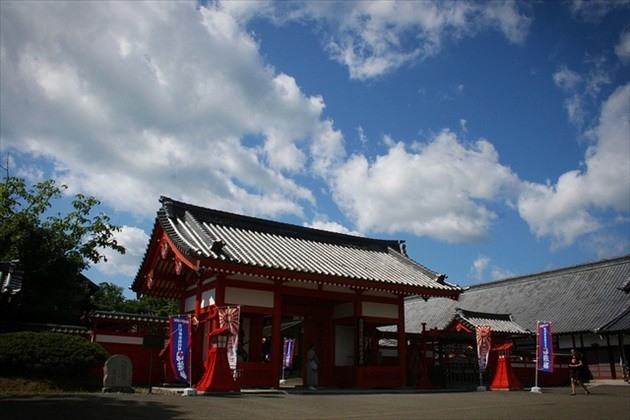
(440, 189)
(134, 241)
(567, 210)
(140, 100)
(147, 99)
(372, 38)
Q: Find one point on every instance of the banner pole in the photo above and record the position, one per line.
(189, 391)
(190, 349)
(536, 389)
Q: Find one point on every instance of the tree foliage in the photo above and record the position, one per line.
(53, 248)
(110, 297)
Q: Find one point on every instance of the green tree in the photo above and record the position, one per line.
(110, 297)
(52, 248)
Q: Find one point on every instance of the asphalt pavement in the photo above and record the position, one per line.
(605, 402)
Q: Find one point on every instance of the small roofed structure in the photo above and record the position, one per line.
(501, 325)
(449, 355)
(279, 273)
(502, 329)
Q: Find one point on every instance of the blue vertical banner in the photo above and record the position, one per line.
(545, 347)
(287, 356)
(180, 347)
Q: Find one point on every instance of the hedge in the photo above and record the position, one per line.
(48, 354)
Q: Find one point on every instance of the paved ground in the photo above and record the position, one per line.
(605, 402)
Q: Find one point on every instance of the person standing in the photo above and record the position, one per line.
(311, 368)
(575, 372)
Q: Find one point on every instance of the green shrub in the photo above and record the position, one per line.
(48, 354)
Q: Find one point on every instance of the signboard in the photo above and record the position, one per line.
(545, 347)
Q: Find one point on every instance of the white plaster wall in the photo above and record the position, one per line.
(239, 296)
(106, 338)
(565, 341)
(251, 279)
(301, 285)
(379, 293)
(344, 345)
(338, 289)
(381, 310)
(343, 310)
(189, 303)
(208, 297)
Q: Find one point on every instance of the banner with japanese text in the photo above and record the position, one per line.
(287, 353)
(483, 346)
(180, 347)
(545, 347)
(229, 317)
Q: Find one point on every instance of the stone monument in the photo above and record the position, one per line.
(117, 374)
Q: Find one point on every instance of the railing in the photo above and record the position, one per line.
(254, 375)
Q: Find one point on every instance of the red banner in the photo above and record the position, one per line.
(483, 346)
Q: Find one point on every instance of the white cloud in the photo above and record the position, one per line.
(568, 210)
(483, 269)
(140, 100)
(437, 190)
(477, 271)
(134, 241)
(622, 49)
(331, 227)
(594, 10)
(582, 90)
(566, 79)
(373, 38)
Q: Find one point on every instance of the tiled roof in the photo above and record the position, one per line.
(582, 298)
(208, 234)
(500, 323)
(618, 323)
(125, 317)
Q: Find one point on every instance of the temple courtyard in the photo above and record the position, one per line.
(608, 400)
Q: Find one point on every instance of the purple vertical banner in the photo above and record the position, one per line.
(545, 347)
(180, 347)
(287, 356)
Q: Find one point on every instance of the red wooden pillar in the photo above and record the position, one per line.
(358, 312)
(276, 335)
(328, 350)
(402, 341)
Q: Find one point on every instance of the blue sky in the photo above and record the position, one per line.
(492, 137)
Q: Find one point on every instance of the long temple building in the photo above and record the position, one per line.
(332, 289)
